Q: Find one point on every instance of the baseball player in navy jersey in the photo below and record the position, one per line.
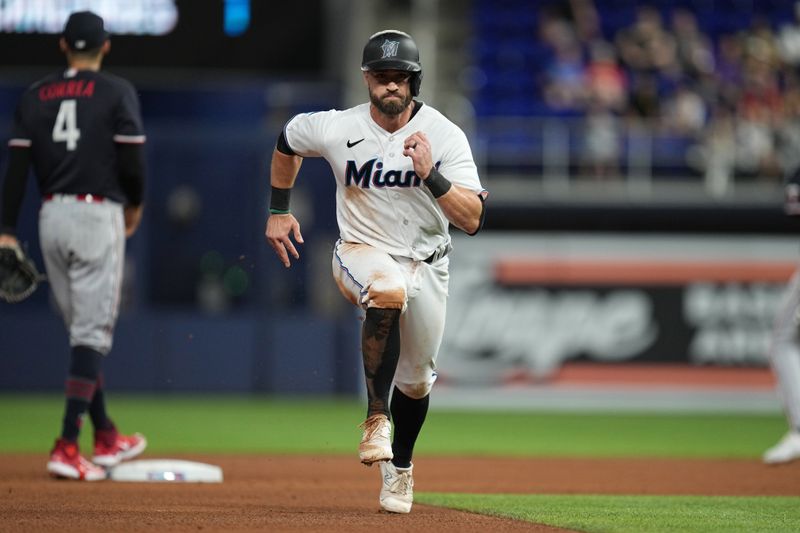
(403, 173)
(82, 132)
(785, 349)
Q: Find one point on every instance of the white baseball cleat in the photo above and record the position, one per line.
(787, 449)
(376, 442)
(397, 490)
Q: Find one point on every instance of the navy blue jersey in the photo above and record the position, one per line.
(72, 122)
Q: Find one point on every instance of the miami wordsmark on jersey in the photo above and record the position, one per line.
(380, 201)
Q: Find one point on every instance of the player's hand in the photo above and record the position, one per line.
(133, 217)
(278, 232)
(418, 148)
(6, 239)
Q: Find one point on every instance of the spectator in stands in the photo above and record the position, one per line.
(788, 129)
(694, 51)
(728, 68)
(647, 46)
(645, 102)
(789, 39)
(556, 29)
(758, 109)
(755, 143)
(605, 80)
(646, 50)
(565, 88)
(602, 144)
(685, 112)
(715, 157)
(761, 43)
(586, 20)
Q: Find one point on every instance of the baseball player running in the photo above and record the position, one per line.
(785, 349)
(403, 173)
(82, 131)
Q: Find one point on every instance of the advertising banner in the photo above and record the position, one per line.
(522, 305)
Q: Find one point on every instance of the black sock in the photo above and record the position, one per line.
(79, 389)
(408, 416)
(97, 407)
(380, 348)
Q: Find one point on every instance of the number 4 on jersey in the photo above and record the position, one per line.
(66, 126)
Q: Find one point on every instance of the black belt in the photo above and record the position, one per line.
(439, 253)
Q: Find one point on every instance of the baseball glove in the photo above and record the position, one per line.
(19, 276)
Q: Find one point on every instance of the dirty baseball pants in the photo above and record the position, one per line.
(369, 277)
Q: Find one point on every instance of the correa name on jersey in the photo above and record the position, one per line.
(67, 89)
(380, 178)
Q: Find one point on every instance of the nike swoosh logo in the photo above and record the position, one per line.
(351, 144)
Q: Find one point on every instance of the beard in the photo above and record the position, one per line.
(391, 107)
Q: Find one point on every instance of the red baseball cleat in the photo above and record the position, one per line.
(111, 447)
(67, 462)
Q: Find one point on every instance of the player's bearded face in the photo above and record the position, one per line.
(390, 93)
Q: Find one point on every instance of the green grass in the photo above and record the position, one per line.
(634, 514)
(205, 424)
(257, 424)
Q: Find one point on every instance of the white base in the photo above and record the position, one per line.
(166, 470)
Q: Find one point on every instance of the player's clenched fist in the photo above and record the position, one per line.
(279, 229)
(418, 148)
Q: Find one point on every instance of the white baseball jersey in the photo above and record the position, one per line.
(390, 223)
(380, 201)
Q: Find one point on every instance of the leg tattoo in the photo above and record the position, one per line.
(380, 348)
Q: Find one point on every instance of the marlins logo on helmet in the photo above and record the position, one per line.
(393, 50)
(389, 48)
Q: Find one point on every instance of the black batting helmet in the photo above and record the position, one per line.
(393, 50)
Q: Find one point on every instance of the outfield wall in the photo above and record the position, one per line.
(522, 306)
(294, 353)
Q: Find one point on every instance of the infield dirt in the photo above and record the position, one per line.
(332, 494)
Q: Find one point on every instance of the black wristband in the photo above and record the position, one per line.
(279, 201)
(437, 184)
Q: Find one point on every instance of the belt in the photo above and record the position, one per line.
(439, 253)
(88, 198)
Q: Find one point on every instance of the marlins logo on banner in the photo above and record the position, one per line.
(389, 48)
